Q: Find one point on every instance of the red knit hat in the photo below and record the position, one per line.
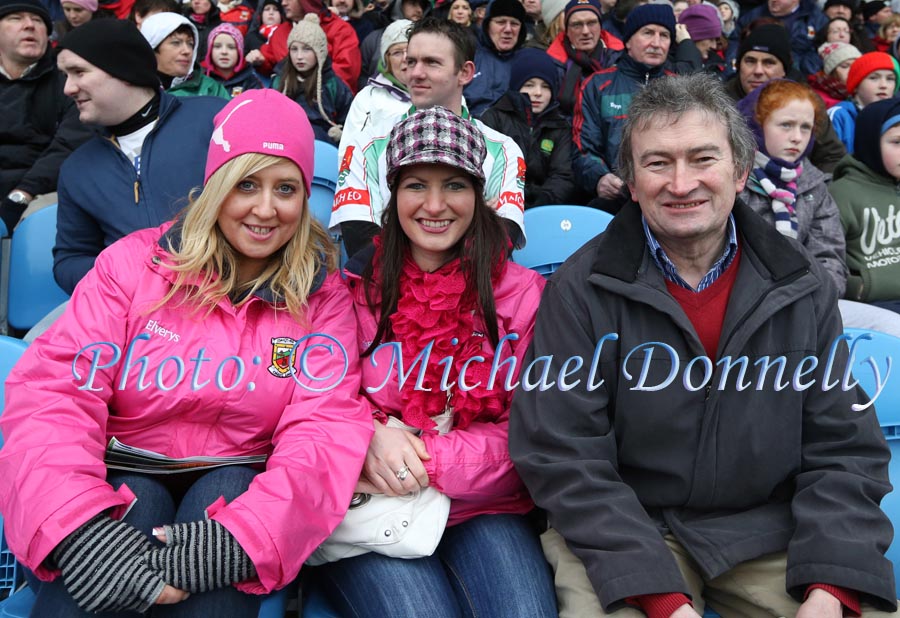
(867, 63)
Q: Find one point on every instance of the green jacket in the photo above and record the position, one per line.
(869, 204)
(200, 85)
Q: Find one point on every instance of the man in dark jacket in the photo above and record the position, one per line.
(503, 34)
(600, 113)
(766, 54)
(152, 154)
(679, 416)
(38, 124)
(803, 20)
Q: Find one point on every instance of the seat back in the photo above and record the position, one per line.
(33, 292)
(11, 351)
(326, 163)
(555, 233)
(879, 348)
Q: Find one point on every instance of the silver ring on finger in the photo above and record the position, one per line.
(402, 473)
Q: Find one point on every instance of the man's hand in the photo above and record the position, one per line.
(170, 596)
(394, 450)
(609, 186)
(685, 611)
(820, 604)
(254, 58)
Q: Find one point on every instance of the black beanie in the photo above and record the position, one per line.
(770, 39)
(871, 7)
(117, 47)
(507, 8)
(873, 121)
(8, 7)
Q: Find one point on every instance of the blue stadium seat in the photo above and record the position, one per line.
(883, 348)
(33, 292)
(326, 163)
(556, 232)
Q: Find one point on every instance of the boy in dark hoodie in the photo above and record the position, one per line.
(529, 114)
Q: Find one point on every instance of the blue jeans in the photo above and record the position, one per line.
(489, 566)
(162, 501)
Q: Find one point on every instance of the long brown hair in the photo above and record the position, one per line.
(481, 249)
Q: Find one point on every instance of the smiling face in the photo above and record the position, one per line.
(650, 45)
(435, 206)
(876, 86)
(788, 129)
(23, 40)
(101, 98)
(175, 55)
(261, 214)
(684, 180)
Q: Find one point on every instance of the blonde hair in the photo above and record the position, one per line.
(207, 264)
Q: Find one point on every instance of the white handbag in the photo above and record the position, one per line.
(409, 526)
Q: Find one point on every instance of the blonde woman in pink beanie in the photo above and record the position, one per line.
(238, 346)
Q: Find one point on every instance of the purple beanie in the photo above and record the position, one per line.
(263, 122)
(702, 21)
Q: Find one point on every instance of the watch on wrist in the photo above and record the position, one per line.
(18, 197)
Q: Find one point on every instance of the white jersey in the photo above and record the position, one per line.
(363, 193)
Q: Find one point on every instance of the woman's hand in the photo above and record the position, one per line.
(254, 58)
(170, 596)
(394, 462)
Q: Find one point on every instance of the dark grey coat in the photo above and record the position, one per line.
(733, 474)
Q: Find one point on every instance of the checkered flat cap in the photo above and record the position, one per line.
(436, 135)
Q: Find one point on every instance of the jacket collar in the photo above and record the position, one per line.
(620, 252)
(168, 103)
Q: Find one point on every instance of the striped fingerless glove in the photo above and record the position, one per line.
(201, 556)
(104, 568)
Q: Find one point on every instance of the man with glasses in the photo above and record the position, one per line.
(584, 47)
(503, 34)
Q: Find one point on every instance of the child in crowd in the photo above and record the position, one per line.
(174, 40)
(872, 77)
(386, 94)
(784, 188)
(831, 82)
(308, 79)
(265, 21)
(205, 16)
(529, 113)
(865, 188)
(224, 60)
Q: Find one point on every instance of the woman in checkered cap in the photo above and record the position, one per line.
(437, 279)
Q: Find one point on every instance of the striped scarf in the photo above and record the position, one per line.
(779, 181)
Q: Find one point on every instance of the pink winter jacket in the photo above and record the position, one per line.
(195, 384)
(471, 466)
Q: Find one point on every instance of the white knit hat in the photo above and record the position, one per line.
(396, 32)
(550, 9)
(835, 53)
